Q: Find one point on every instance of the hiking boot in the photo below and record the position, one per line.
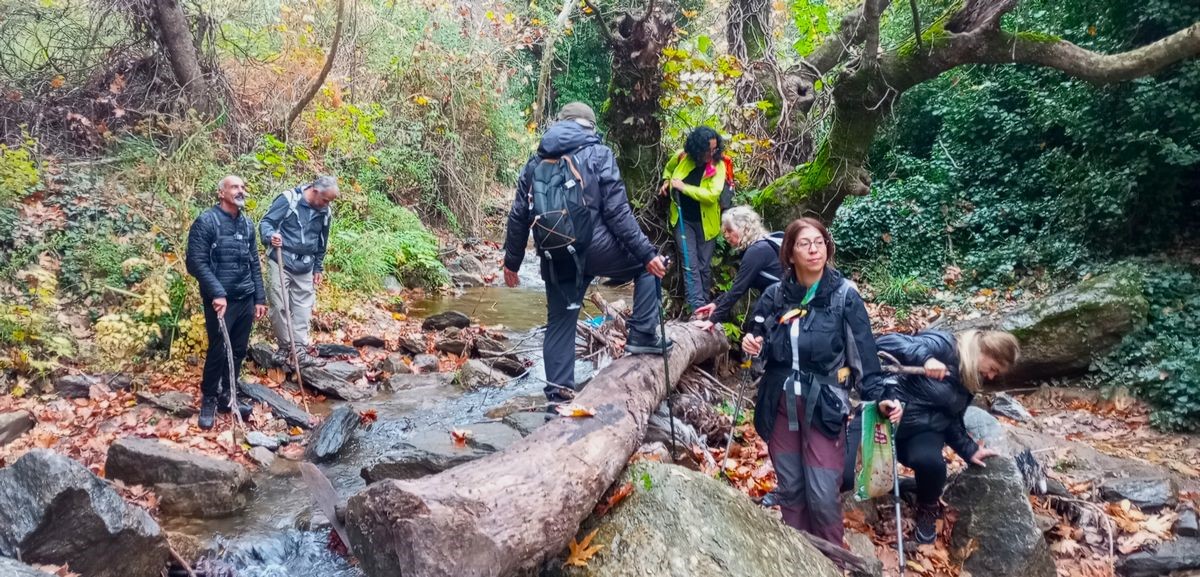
(208, 412)
(648, 347)
(769, 500)
(243, 407)
(306, 359)
(927, 517)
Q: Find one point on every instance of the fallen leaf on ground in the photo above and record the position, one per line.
(368, 416)
(574, 410)
(460, 437)
(583, 551)
(614, 498)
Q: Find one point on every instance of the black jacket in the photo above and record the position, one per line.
(760, 257)
(222, 255)
(822, 342)
(617, 236)
(930, 404)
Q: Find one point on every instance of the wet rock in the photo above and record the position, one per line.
(187, 484)
(394, 365)
(1171, 557)
(432, 452)
(189, 547)
(331, 380)
(655, 533)
(175, 403)
(1147, 493)
(994, 510)
(453, 346)
(1006, 406)
(488, 347)
(15, 424)
(118, 382)
(263, 355)
(527, 422)
(392, 284)
(75, 386)
(281, 407)
(54, 511)
(451, 332)
(334, 350)
(476, 373)
(425, 364)
(492, 436)
(14, 568)
(447, 319)
(1062, 334)
(506, 365)
(406, 382)
(1186, 525)
(413, 344)
(465, 270)
(370, 341)
(329, 437)
(527, 402)
(260, 439)
(263, 456)
(1044, 522)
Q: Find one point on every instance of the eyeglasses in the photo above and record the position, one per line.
(804, 243)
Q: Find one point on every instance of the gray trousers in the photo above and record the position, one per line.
(697, 263)
(301, 295)
(558, 347)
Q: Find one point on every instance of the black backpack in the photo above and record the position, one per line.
(562, 223)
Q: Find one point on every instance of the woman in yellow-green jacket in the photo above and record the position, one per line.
(695, 177)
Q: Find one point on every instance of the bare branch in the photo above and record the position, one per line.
(604, 31)
(649, 11)
(828, 55)
(980, 15)
(320, 79)
(916, 17)
(872, 12)
(1090, 66)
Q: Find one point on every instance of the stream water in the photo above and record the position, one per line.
(272, 536)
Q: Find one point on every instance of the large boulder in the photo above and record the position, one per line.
(15, 424)
(995, 519)
(327, 439)
(187, 484)
(14, 568)
(679, 522)
(1147, 493)
(1062, 334)
(54, 511)
(465, 270)
(446, 320)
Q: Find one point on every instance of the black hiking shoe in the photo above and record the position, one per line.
(769, 500)
(243, 407)
(926, 529)
(208, 412)
(647, 347)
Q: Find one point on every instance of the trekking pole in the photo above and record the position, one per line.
(687, 267)
(896, 494)
(892, 365)
(233, 392)
(737, 409)
(662, 323)
(287, 317)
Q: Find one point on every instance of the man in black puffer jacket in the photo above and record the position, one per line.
(618, 248)
(223, 257)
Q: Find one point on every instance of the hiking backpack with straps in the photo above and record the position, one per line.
(562, 223)
(776, 240)
(727, 189)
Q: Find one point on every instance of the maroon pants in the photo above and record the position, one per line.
(808, 467)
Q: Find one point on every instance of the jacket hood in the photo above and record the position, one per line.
(564, 137)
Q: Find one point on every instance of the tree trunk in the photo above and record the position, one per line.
(320, 79)
(175, 35)
(748, 29)
(541, 105)
(511, 510)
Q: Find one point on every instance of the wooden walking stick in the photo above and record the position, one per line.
(233, 392)
(287, 316)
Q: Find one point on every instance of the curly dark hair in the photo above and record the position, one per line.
(696, 144)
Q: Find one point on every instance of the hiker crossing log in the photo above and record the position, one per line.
(507, 512)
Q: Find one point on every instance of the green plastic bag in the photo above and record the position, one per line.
(874, 465)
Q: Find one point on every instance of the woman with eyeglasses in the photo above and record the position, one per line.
(812, 328)
(695, 178)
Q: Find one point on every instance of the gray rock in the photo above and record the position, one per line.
(406, 382)
(506, 365)
(432, 452)
(263, 355)
(465, 270)
(177, 403)
(1147, 493)
(1186, 525)
(526, 422)
(451, 332)
(260, 439)
(488, 347)
(447, 319)
(55, 511)
(862, 546)
(1062, 334)
(328, 380)
(329, 437)
(1006, 406)
(281, 407)
(994, 511)
(425, 364)
(414, 344)
(187, 484)
(75, 386)
(454, 346)
(370, 341)
(689, 524)
(263, 456)
(392, 284)
(14, 568)
(332, 350)
(476, 373)
(15, 424)
(394, 365)
(492, 436)
(1182, 554)
(519, 403)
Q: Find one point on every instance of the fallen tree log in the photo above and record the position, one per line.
(505, 513)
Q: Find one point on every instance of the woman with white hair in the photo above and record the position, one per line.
(760, 268)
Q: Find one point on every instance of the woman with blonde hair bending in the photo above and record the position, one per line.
(934, 404)
(760, 266)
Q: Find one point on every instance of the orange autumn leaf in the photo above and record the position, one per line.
(574, 410)
(460, 437)
(368, 416)
(614, 498)
(582, 551)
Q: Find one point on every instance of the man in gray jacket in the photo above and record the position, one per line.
(297, 223)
